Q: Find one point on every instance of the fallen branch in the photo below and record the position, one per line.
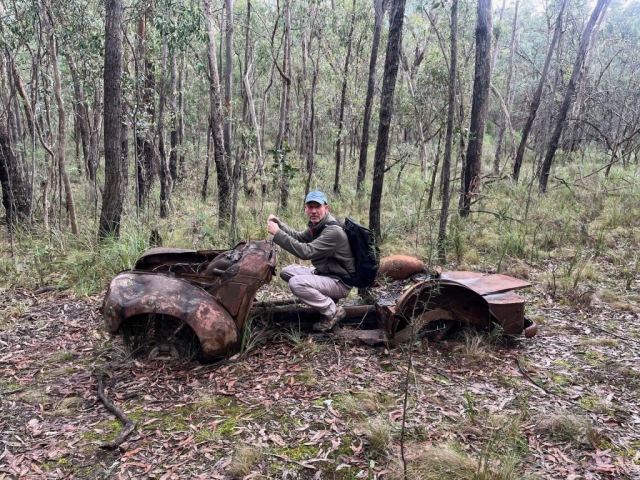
(129, 425)
(549, 392)
(608, 332)
(303, 465)
(528, 377)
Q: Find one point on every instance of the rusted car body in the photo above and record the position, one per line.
(212, 292)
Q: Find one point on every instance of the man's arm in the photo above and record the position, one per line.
(274, 224)
(323, 246)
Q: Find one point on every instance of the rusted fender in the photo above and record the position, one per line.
(469, 297)
(139, 293)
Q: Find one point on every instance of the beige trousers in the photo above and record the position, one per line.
(317, 291)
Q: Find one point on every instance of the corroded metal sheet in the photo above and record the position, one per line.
(466, 297)
(484, 284)
(137, 293)
(215, 302)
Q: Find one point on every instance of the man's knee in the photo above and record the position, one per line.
(297, 284)
(287, 273)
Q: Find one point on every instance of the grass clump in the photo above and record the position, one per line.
(244, 459)
(379, 435)
(451, 462)
(475, 349)
(565, 427)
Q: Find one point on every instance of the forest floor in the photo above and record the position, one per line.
(565, 402)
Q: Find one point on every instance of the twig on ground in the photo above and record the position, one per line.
(608, 332)
(285, 459)
(528, 377)
(549, 392)
(129, 425)
(49, 288)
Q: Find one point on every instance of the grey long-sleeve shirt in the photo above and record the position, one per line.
(329, 253)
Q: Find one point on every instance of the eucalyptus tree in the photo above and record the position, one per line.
(535, 102)
(343, 94)
(448, 142)
(144, 114)
(13, 179)
(61, 142)
(222, 161)
(394, 44)
(570, 91)
(508, 96)
(479, 106)
(611, 114)
(379, 7)
(115, 171)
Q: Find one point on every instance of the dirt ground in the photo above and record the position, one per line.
(310, 408)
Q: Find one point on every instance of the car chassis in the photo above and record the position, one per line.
(212, 293)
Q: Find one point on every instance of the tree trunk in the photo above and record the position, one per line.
(537, 96)
(146, 152)
(15, 187)
(479, 105)
(223, 169)
(166, 183)
(173, 115)
(115, 172)
(228, 78)
(82, 117)
(386, 111)
(343, 95)
(448, 139)
(379, 7)
(62, 136)
(181, 165)
(502, 124)
(422, 144)
(585, 42)
(282, 142)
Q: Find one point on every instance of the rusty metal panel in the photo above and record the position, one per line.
(508, 308)
(131, 294)
(484, 284)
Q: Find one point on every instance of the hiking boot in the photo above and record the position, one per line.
(329, 322)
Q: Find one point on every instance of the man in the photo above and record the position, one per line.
(327, 247)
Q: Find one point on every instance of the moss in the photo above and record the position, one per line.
(300, 452)
(110, 430)
(307, 377)
(562, 363)
(387, 367)
(559, 380)
(62, 357)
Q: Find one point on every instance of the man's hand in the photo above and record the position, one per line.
(272, 225)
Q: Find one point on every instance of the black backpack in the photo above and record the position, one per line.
(365, 252)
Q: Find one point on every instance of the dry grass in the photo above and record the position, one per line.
(379, 434)
(244, 459)
(449, 462)
(475, 348)
(571, 428)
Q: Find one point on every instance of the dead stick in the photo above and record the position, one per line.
(609, 332)
(129, 425)
(528, 377)
(549, 392)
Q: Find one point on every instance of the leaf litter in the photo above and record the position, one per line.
(305, 406)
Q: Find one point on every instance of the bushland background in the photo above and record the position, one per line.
(492, 137)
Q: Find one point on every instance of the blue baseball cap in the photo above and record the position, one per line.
(316, 196)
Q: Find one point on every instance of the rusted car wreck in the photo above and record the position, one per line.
(177, 297)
